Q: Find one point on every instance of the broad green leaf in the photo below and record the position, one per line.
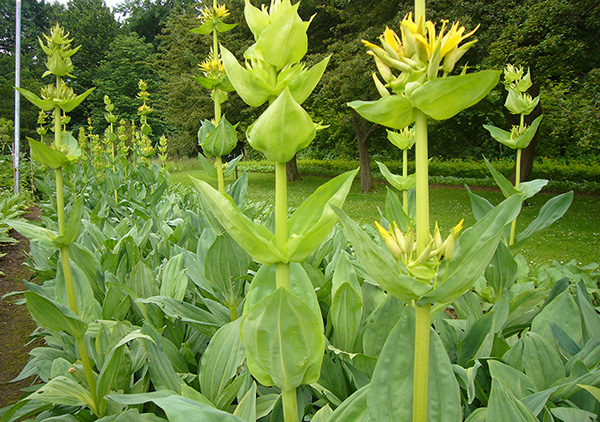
(394, 212)
(531, 188)
(390, 392)
(503, 406)
(284, 41)
(247, 83)
(399, 182)
(221, 140)
(162, 374)
(139, 398)
(88, 308)
(34, 233)
(394, 111)
(479, 415)
(536, 402)
(226, 262)
(265, 283)
(221, 360)
(246, 408)
(53, 158)
(302, 85)
(524, 139)
(500, 135)
(594, 391)
(46, 105)
(205, 28)
(346, 304)
(202, 320)
(182, 409)
(477, 342)
(480, 205)
(572, 414)
(54, 316)
(443, 98)
(353, 409)
(541, 361)
(502, 271)
(208, 168)
(563, 312)
(552, 210)
(520, 385)
(517, 104)
(380, 264)
(284, 341)
(282, 130)
(380, 324)
(69, 105)
(503, 183)
(323, 414)
(174, 281)
(590, 321)
(224, 27)
(65, 391)
(254, 238)
(313, 221)
(474, 250)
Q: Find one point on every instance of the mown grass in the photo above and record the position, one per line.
(575, 236)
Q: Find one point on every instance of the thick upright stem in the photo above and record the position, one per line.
(281, 230)
(290, 406)
(421, 365)
(220, 177)
(405, 175)
(422, 185)
(513, 226)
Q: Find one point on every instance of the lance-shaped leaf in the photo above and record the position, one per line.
(312, 222)
(35, 233)
(302, 85)
(520, 103)
(205, 28)
(503, 183)
(65, 391)
(54, 316)
(69, 105)
(284, 41)
(552, 210)
(443, 98)
(353, 409)
(504, 406)
(247, 83)
(346, 304)
(256, 19)
(399, 182)
(182, 409)
(282, 130)
(284, 341)
(522, 140)
(380, 264)
(257, 240)
(390, 393)
(46, 105)
(474, 250)
(44, 154)
(223, 356)
(73, 227)
(394, 111)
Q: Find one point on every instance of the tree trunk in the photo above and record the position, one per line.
(363, 131)
(291, 167)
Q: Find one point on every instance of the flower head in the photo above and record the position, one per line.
(212, 66)
(213, 14)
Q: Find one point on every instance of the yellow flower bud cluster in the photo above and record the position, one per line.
(212, 66)
(404, 249)
(419, 54)
(213, 14)
(59, 51)
(517, 82)
(58, 93)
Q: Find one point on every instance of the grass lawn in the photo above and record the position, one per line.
(575, 236)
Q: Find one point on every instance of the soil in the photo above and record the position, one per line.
(15, 322)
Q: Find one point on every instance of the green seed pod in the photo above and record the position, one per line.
(282, 130)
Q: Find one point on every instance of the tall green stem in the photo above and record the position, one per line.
(420, 11)
(421, 364)
(64, 256)
(405, 175)
(290, 405)
(513, 226)
(422, 185)
(220, 177)
(281, 230)
(422, 324)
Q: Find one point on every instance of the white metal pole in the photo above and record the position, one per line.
(17, 148)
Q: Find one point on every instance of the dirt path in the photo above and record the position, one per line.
(15, 322)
